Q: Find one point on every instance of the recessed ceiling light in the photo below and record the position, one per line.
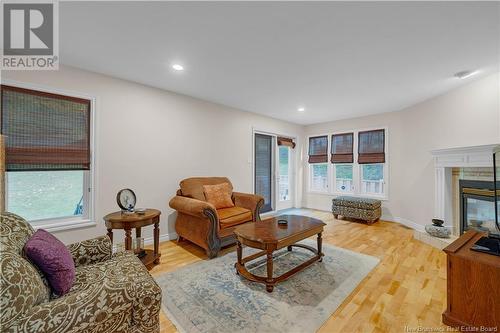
(464, 74)
(301, 109)
(178, 67)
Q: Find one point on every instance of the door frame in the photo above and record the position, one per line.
(293, 166)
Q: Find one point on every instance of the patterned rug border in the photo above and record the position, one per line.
(190, 327)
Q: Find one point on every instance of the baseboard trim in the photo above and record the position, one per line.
(163, 238)
(409, 224)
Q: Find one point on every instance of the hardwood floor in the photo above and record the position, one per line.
(406, 289)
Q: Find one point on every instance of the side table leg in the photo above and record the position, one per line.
(110, 235)
(156, 241)
(269, 281)
(137, 235)
(320, 245)
(128, 239)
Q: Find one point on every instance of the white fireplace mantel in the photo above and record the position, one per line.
(475, 156)
(444, 161)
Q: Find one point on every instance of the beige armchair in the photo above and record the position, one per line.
(199, 222)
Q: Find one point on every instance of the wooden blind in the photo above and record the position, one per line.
(371, 147)
(286, 142)
(44, 131)
(342, 148)
(263, 169)
(318, 149)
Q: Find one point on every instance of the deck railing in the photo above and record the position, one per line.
(319, 183)
(343, 184)
(372, 186)
(284, 187)
(367, 186)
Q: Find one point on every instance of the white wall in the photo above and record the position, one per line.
(149, 139)
(467, 116)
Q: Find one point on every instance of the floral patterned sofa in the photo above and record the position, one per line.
(111, 293)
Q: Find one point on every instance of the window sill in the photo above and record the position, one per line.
(319, 192)
(357, 195)
(62, 225)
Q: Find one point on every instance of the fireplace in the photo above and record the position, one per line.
(477, 205)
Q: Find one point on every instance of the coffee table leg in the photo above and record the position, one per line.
(320, 243)
(239, 252)
(269, 281)
(289, 248)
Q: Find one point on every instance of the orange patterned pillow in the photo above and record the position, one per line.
(219, 195)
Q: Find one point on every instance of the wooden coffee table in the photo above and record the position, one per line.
(269, 236)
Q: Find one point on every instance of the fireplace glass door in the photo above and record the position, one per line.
(477, 206)
(479, 213)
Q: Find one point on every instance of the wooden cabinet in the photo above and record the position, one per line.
(473, 285)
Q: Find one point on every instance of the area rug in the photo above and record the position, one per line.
(209, 297)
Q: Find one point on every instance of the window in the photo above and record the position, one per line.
(318, 149)
(284, 160)
(343, 178)
(47, 151)
(342, 148)
(319, 177)
(37, 195)
(284, 173)
(371, 146)
(372, 179)
(342, 157)
(365, 175)
(318, 158)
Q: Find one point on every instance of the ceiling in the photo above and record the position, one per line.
(337, 59)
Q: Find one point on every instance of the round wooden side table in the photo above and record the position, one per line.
(127, 222)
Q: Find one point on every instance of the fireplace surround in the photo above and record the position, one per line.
(447, 160)
(450, 166)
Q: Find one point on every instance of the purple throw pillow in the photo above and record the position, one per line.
(53, 258)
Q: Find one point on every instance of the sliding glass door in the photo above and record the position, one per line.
(263, 170)
(285, 177)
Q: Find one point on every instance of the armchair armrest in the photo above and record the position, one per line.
(193, 207)
(91, 251)
(197, 221)
(249, 201)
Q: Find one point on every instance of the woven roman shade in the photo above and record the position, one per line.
(342, 148)
(371, 147)
(44, 131)
(285, 142)
(318, 149)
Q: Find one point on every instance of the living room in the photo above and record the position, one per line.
(353, 124)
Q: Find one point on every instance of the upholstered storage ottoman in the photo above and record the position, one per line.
(358, 208)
